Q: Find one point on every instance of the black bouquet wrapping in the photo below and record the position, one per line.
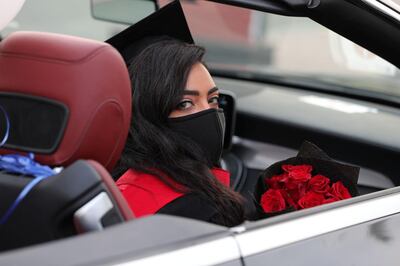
(310, 179)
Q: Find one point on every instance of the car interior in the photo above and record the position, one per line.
(275, 139)
(83, 131)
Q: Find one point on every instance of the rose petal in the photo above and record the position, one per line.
(338, 190)
(311, 199)
(299, 168)
(273, 201)
(319, 184)
(277, 181)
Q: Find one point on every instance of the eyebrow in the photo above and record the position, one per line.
(196, 93)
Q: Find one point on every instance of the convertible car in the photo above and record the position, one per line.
(326, 71)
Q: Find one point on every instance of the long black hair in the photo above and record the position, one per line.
(159, 74)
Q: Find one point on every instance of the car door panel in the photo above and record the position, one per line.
(146, 240)
(359, 231)
(371, 243)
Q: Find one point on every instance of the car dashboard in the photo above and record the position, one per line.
(272, 121)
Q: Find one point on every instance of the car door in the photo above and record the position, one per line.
(359, 231)
(155, 240)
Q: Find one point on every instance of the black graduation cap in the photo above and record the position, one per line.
(167, 22)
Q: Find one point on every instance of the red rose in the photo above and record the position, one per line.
(319, 184)
(302, 168)
(297, 193)
(339, 191)
(293, 183)
(273, 201)
(297, 174)
(311, 199)
(289, 200)
(277, 181)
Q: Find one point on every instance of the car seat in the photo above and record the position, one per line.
(68, 100)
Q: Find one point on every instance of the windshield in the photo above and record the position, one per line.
(240, 42)
(255, 43)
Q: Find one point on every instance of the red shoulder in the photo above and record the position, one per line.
(223, 176)
(145, 193)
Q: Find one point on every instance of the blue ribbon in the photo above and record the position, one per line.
(25, 165)
(20, 197)
(5, 137)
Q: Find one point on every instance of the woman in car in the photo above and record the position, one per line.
(170, 163)
(176, 138)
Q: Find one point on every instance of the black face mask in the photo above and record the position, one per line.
(206, 129)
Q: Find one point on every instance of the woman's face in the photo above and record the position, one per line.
(200, 93)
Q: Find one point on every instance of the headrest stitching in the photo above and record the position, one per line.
(53, 60)
(84, 131)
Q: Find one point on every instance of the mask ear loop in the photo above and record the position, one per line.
(24, 165)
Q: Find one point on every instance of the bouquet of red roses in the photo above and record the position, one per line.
(307, 180)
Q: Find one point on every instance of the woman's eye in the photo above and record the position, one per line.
(184, 105)
(213, 100)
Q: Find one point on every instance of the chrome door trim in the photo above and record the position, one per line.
(262, 239)
(383, 8)
(392, 4)
(210, 253)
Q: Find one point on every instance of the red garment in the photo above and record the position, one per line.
(146, 194)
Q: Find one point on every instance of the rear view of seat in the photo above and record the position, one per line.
(69, 101)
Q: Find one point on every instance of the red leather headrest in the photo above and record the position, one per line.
(90, 78)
